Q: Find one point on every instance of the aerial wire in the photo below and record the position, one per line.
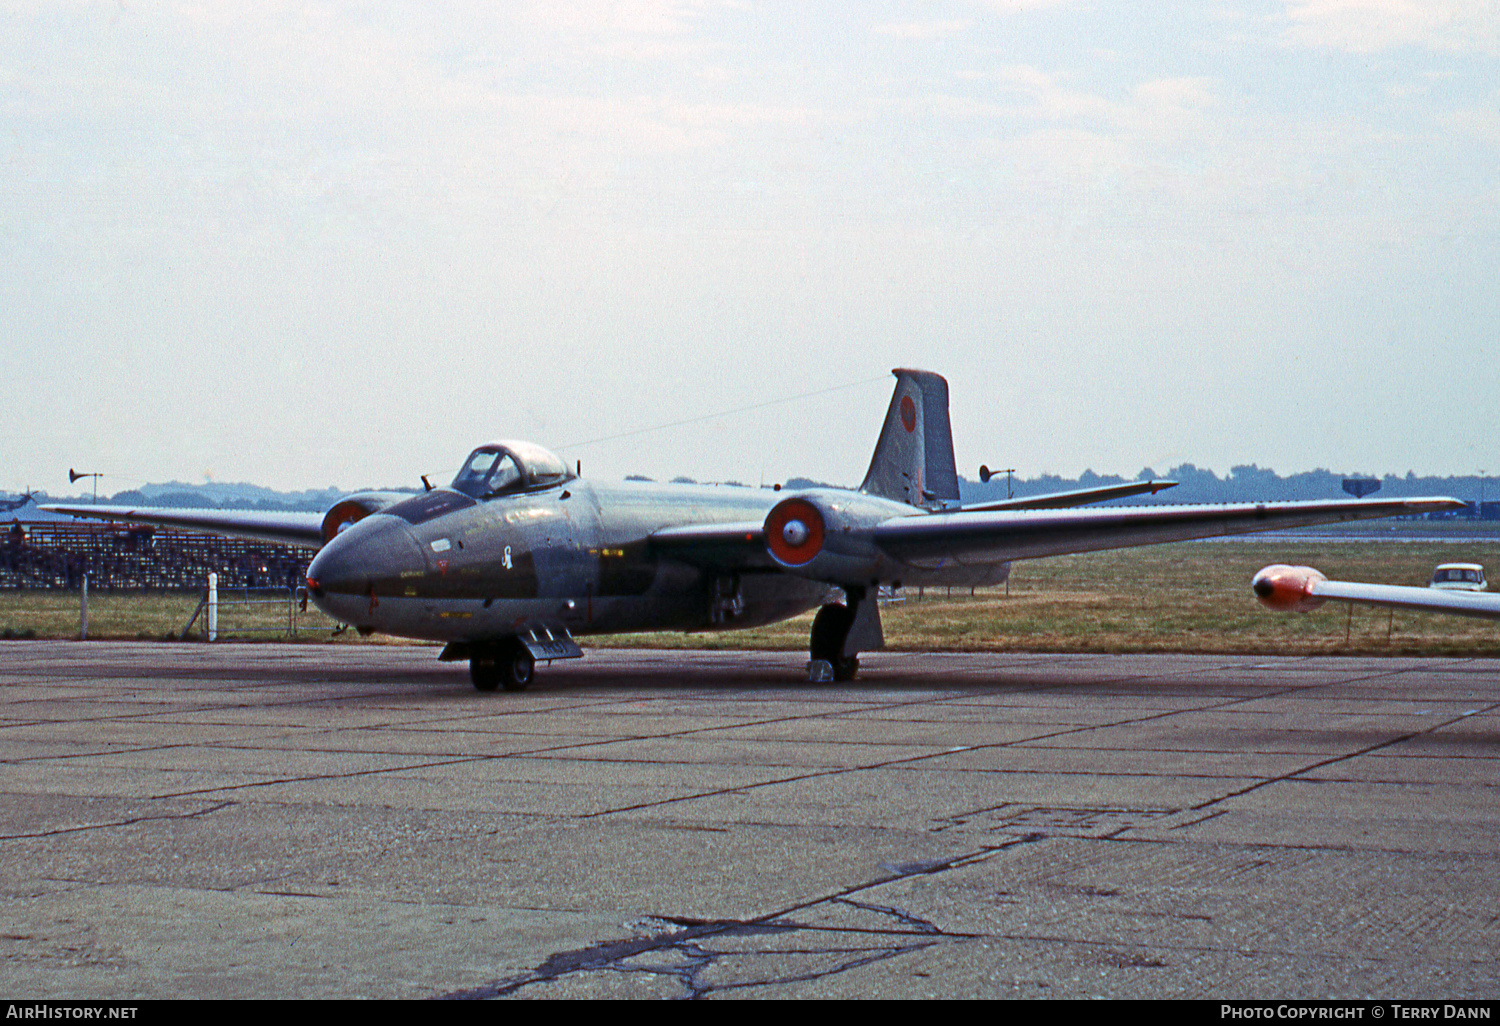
(724, 413)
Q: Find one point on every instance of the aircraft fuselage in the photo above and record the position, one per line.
(447, 567)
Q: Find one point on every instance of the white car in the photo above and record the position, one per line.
(1458, 577)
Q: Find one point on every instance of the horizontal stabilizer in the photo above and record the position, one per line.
(1075, 497)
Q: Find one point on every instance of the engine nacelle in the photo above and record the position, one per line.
(353, 508)
(1288, 588)
(826, 536)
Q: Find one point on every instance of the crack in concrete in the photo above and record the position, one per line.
(695, 955)
(118, 823)
(922, 925)
(687, 954)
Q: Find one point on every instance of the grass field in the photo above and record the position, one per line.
(1191, 597)
(153, 616)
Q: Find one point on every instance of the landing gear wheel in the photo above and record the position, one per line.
(517, 668)
(829, 630)
(507, 665)
(484, 672)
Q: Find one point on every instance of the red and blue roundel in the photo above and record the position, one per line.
(908, 414)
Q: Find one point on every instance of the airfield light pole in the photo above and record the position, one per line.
(985, 473)
(83, 584)
(74, 475)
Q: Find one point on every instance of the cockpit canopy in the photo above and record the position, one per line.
(502, 468)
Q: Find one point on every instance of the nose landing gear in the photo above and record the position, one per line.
(510, 662)
(505, 665)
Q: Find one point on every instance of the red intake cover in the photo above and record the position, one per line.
(341, 516)
(796, 551)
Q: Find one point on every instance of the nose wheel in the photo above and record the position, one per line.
(507, 665)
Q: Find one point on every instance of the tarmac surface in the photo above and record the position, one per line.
(337, 821)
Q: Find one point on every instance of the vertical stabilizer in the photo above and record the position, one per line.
(913, 460)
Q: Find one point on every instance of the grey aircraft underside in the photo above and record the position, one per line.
(518, 556)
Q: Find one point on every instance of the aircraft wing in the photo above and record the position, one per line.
(934, 540)
(1075, 497)
(302, 529)
(1302, 588)
(1006, 535)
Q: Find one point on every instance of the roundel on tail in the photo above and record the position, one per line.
(794, 532)
(908, 414)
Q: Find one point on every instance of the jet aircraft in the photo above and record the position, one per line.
(517, 556)
(1301, 589)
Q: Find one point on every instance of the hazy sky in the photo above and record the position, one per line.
(308, 243)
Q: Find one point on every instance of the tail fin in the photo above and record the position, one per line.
(913, 460)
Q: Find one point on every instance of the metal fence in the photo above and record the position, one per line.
(116, 557)
(244, 610)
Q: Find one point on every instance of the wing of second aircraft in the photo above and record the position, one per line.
(282, 528)
(307, 530)
(1301, 588)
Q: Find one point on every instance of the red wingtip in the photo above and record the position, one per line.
(1287, 588)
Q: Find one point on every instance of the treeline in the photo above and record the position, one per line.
(1248, 483)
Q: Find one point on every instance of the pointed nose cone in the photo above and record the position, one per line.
(374, 557)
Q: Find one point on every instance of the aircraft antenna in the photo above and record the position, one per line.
(722, 413)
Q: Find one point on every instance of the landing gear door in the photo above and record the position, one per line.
(549, 642)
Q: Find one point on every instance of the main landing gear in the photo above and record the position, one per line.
(830, 632)
(506, 665)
